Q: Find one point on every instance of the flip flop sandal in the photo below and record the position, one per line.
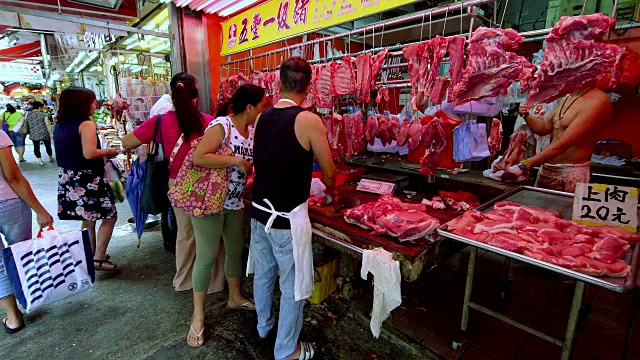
(9, 330)
(306, 351)
(198, 335)
(99, 265)
(249, 305)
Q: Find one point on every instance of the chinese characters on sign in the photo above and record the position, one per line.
(283, 14)
(18, 72)
(598, 204)
(274, 20)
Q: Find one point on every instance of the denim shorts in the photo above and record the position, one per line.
(15, 226)
(17, 138)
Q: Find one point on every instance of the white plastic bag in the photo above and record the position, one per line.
(51, 268)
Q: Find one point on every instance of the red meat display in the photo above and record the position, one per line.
(389, 215)
(544, 235)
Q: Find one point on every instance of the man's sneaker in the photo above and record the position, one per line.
(40, 162)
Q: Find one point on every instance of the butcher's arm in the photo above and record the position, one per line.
(205, 154)
(586, 122)
(320, 148)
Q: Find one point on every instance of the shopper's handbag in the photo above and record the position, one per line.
(49, 268)
(470, 142)
(202, 191)
(5, 126)
(156, 182)
(24, 129)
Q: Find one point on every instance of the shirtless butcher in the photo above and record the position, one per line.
(575, 126)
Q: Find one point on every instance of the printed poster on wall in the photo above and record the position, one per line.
(279, 19)
(17, 72)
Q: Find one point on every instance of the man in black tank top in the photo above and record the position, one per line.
(285, 142)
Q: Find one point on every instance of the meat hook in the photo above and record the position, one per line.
(444, 25)
(504, 13)
(461, 18)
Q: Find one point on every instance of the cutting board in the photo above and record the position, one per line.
(326, 211)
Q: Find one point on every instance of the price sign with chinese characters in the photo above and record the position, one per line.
(275, 20)
(599, 204)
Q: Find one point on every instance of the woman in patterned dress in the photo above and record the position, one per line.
(83, 191)
(39, 131)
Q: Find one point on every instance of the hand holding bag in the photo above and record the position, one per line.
(49, 268)
(202, 191)
(156, 182)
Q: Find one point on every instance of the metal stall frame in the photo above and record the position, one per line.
(613, 284)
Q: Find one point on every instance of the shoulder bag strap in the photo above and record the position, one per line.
(176, 148)
(158, 130)
(227, 141)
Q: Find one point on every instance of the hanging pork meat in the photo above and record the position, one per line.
(438, 49)
(323, 88)
(403, 134)
(376, 65)
(575, 54)
(414, 134)
(492, 65)
(363, 78)
(372, 129)
(456, 62)
(414, 56)
(343, 79)
(435, 141)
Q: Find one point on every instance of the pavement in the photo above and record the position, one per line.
(136, 314)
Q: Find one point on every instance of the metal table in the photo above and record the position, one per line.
(562, 202)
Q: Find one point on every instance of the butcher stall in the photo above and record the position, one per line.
(421, 114)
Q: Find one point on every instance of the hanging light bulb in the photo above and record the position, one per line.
(113, 60)
(143, 42)
(99, 68)
(121, 58)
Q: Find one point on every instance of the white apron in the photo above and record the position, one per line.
(301, 242)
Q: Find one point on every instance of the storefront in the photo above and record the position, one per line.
(256, 40)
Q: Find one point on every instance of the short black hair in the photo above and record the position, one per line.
(295, 75)
(37, 105)
(11, 109)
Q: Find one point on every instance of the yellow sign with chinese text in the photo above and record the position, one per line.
(279, 19)
(600, 204)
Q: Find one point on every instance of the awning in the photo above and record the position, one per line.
(21, 51)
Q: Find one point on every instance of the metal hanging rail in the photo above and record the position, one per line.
(371, 28)
(338, 57)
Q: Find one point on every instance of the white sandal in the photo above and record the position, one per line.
(198, 335)
(306, 351)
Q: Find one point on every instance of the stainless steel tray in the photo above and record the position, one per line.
(562, 202)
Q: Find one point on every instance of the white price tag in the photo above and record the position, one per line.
(600, 204)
